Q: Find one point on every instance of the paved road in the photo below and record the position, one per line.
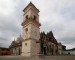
(63, 57)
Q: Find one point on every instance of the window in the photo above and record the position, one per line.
(15, 48)
(26, 16)
(26, 29)
(26, 44)
(34, 17)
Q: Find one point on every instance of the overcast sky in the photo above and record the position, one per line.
(55, 15)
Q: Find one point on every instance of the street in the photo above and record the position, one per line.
(61, 57)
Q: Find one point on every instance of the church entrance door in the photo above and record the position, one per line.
(44, 50)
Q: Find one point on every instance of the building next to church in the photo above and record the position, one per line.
(69, 51)
(4, 51)
(32, 42)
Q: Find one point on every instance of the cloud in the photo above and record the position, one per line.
(55, 15)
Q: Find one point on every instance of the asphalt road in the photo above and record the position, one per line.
(63, 57)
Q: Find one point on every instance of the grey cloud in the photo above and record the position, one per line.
(2, 38)
(4, 45)
(68, 13)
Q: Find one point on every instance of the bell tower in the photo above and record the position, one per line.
(31, 31)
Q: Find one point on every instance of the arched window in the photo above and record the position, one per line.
(26, 44)
(26, 29)
(26, 16)
(34, 17)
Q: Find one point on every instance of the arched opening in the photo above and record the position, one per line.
(26, 30)
(44, 50)
(34, 17)
(26, 16)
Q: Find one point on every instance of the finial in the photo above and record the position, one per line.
(30, 1)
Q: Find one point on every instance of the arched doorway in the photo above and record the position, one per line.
(45, 50)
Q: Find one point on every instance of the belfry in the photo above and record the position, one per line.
(31, 31)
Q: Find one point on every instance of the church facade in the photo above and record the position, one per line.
(32, 42)
(49, 45)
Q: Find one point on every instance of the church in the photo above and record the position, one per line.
(32, 42)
